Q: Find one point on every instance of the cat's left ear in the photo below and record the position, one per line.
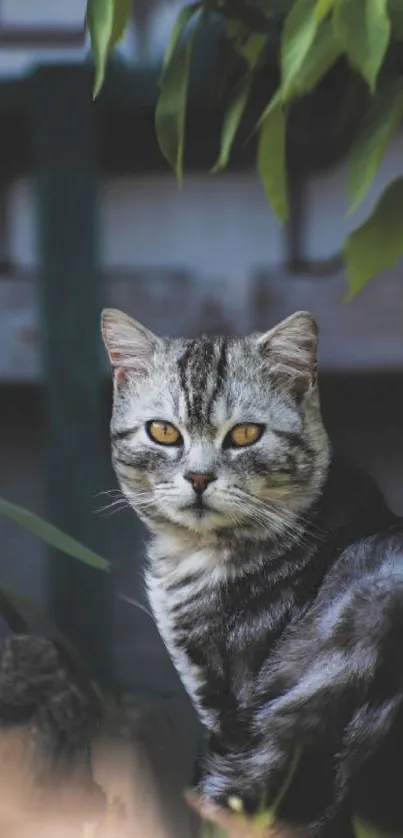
(290, 350)
(130, 345)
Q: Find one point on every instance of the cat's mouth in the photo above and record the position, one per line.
(200, 516)
(199, 507)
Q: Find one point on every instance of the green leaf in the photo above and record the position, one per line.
(251, 54)
(100, 23)
(395, 10)
(322, 55)
(298, 35)
(232, 120)
(363, 28)
(363, 829)
(378, 243)
(52, 535)
(252, 48)
(182, 19)
(235, 30)
(211, 830)
(383, 118)
(121, 19)
(106, 22)
(268, 814)
(170, 114)
(323, 8)
(246, 44)
(271, 162)
(11, 615)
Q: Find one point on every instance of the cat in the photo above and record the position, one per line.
(274, 571)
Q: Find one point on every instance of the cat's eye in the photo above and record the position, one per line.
(164, 433)
(242, 435)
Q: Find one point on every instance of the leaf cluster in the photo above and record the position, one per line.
(305, 39)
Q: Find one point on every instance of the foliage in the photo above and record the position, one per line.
(106, 21)
(52, 535)
(19, 612)
(305, 39)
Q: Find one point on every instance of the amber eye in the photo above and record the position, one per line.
(164, 433)
(243, 435)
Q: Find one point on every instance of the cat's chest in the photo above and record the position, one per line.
(185, 599)
(218, 628)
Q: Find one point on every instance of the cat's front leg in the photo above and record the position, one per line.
(335, 692)
(302, 701)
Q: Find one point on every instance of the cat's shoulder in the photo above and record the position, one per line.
(377, 555)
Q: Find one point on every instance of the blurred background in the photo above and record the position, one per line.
(90, 216)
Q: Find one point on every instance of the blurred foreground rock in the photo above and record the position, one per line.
(68, 767)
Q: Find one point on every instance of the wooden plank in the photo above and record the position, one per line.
(364, 335)
(80, 598)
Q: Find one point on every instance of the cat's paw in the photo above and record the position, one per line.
(249, 781)
(227, 783)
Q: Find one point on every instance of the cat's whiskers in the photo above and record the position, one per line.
(281, 522)
(115, 504)
(112, 508)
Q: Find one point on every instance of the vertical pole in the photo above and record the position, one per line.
(80, 598)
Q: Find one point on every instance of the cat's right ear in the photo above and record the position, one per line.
(130, 345)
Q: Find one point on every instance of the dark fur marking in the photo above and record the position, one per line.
(220, 373)
(183, 363)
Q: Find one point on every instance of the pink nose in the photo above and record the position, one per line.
(199, 480)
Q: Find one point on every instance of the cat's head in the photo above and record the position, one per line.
(217, 433)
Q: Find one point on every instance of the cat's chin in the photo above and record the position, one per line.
(195, 519)
(200, 520)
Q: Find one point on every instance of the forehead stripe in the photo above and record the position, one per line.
(200, 371)
(183, 363)
(220, 373)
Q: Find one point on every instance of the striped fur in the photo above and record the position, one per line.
(280, 598)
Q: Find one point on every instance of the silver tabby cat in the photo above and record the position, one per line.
(236, 458)
(269, 564)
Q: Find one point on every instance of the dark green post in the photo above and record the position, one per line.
(80, 599)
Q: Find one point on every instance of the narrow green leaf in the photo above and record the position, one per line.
(52, 535)
(246, 44)
(271, 162)
(11, 615)
(100, 23)
(106, 22)
(298, 35)
(211, 830)
(268, 814)
(363, 829)
(235, 30)
(363, 28)
(383, 118)
(251, 49)
(323, 8)
(378, 243)
(321, 57)
(274, 101)
(395, 11)
(170, 114)
(232, 120)
(121, 19)
(182, 19)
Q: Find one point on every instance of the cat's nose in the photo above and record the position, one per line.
(199, 480)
